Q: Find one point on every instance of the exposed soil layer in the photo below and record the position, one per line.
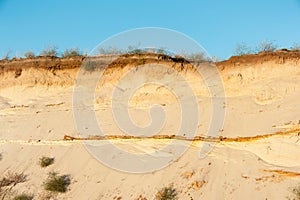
(279, 57)
(54, 63)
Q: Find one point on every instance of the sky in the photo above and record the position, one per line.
(217, 25)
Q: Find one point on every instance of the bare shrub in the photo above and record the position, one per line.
(29, 54)
(266, 46)
(196, 57)
(12, 179)
(7, 55)
(296, 46)
(71, 52)
(161, 51)
(111, 50)
(9, 181)
(242, 49)
(49, 51)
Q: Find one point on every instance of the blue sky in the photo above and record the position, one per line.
(217, 25)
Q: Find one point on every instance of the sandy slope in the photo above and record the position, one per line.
(262, 98)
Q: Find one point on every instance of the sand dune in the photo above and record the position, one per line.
(254, 155)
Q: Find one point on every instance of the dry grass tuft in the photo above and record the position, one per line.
(56, 183)
(166, 193)
(46, 161)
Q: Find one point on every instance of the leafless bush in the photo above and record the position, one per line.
(242, 49)
(12, 179)
(71, 52)
(111, 50)
(29, 54)
(196, 57)
(7, 55)
(266, 46)
(296, 46)
(161, 51)
(49, 51)
(9, 181)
